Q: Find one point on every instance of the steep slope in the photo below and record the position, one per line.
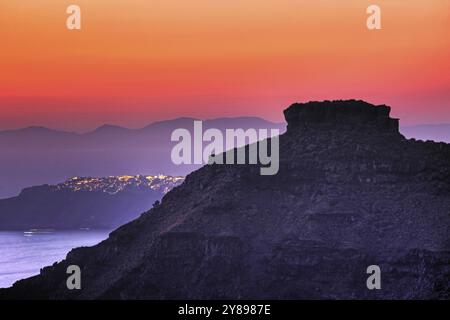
(351, 192)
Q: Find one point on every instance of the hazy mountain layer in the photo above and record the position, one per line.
(87, 202)
(36, 155)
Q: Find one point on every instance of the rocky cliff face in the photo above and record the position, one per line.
(351, 192)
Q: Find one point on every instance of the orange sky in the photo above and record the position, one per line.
(135, 61)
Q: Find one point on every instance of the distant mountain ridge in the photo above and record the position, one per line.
(37, 155)
(245, 121)
(432, 132)
(435, 132)
(84, 202)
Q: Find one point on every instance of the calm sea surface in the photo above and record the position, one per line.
(23, 254)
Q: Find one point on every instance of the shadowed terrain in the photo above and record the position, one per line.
(351, 192)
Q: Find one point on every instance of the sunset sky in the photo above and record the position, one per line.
(137, 61)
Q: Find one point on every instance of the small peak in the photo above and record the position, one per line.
(340, 114)
(37, 128)
(109, 128)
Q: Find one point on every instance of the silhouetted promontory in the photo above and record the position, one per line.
(351, 192)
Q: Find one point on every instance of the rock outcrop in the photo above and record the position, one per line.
(350, 192)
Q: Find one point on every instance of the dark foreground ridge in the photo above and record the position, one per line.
(351, 192)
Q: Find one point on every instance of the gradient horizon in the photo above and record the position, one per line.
(138, 61)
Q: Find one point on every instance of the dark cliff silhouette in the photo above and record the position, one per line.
(351, 192)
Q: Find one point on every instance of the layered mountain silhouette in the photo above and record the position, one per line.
(351, 192)
(37, 155)
(84, 202)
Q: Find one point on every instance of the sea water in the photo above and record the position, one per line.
(23, 254)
